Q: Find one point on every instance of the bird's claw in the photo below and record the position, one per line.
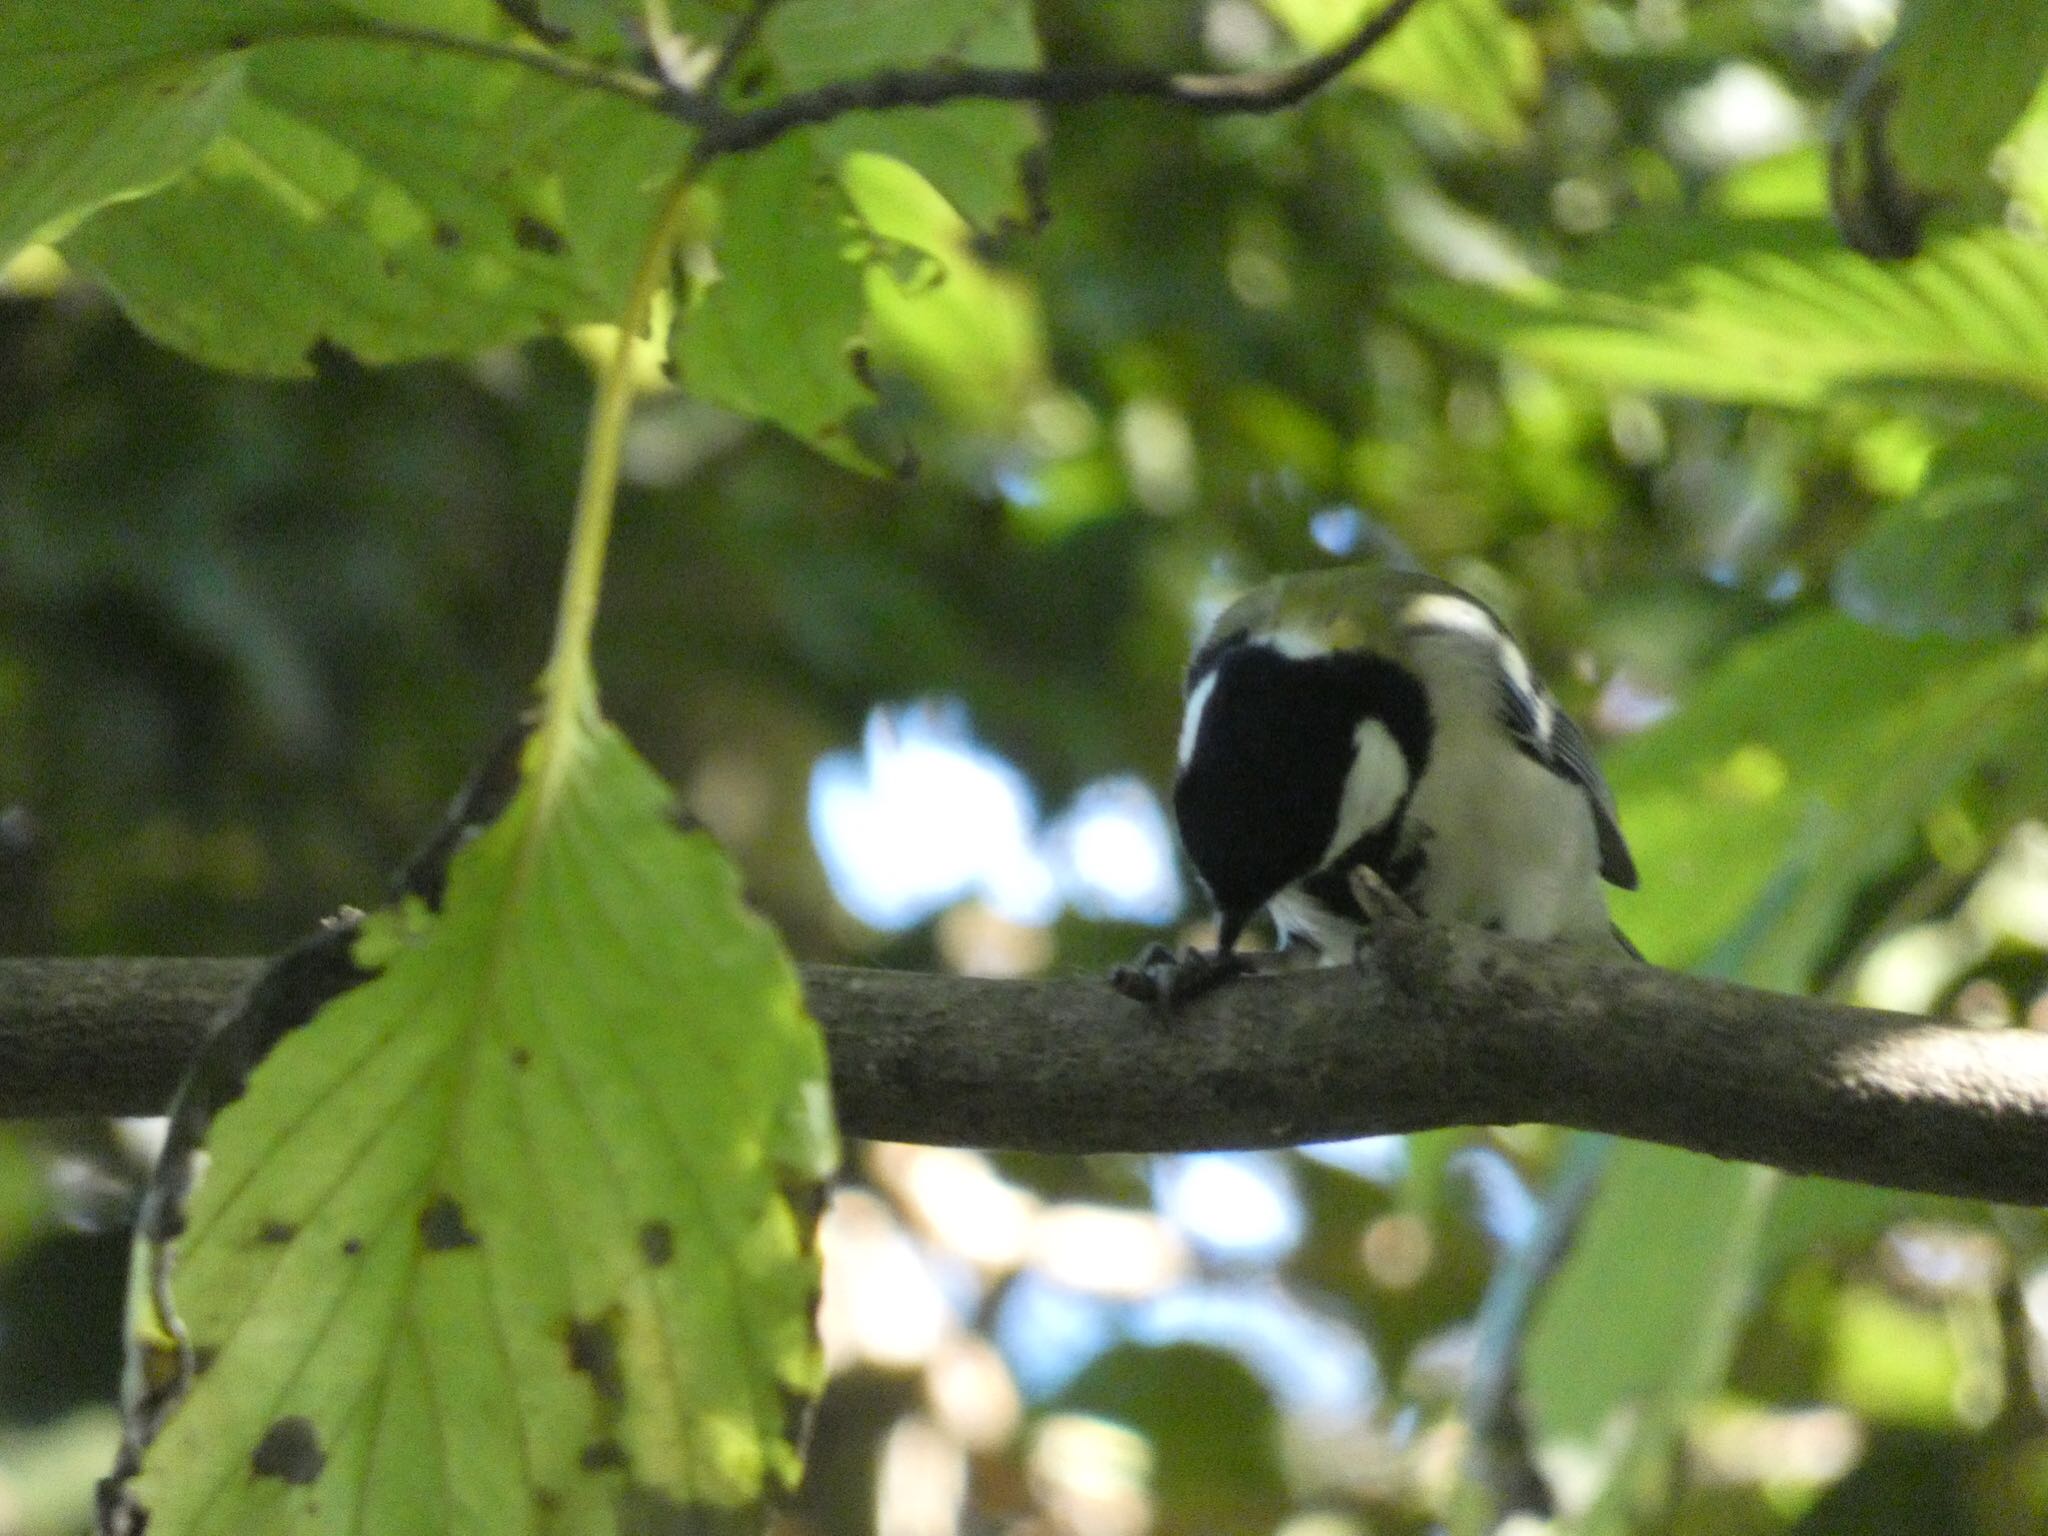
(1166, 981)
(1379, 901)
(1381, 904)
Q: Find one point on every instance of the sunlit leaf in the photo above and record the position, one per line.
(1771, 311)
(772, 334)
(1615, 1335)
(1757, 814)
(1920, 121)
(513, 1234)
(972, 336)
(326, 181)
(970, 150)
(1790, 776)
(1463, 57)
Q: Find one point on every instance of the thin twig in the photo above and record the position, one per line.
(725, 130)
(1266, 90)
(736, 43)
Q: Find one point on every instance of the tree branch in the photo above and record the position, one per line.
(1436, 1027)
(1264, 90)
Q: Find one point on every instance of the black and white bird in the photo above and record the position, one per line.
(1375, 718)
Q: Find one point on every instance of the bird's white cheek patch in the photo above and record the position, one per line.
(1191, 722)
(1374, 786)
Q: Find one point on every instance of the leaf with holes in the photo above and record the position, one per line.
(257, 177)
(507, 1229)
(772, 333)
(970, 150)
(1465, 58)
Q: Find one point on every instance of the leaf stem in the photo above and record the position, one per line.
(568, 687)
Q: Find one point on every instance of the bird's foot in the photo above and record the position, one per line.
(1381, 904)
(1167, 981)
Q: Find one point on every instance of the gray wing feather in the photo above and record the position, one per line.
(1549, 736)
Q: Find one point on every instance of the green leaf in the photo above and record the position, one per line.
(82, 126)
(1920, 120)
(1758, 814)
(771, 335)
(513, 1235)
(1466, 58)
(970, 334)
(1785, 783)
(1770, 311)
(1647, 1302)
(396, 199)
(970, 150)
(1967, 554)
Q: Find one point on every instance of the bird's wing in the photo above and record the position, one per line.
(1548, 736)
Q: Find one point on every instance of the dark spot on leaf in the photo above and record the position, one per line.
(521, 1056)
(325, 357)
(442, 1226)
(530, 234)
(290, 1450)
(657, 1242)
(600, 1455)
(237, 41)
(546, 1500)
(752, 81)
(389, 265)
(806, 1198)
(594, 1350)
(203, 1356)
(447, 236)
(863, 365)
(351, 1246)
(796, 1414)
(276, 1232)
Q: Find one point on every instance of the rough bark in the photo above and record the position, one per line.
(1435, 1027)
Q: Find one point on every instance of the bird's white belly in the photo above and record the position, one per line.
(1509, 844)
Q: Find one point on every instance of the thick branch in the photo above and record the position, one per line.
(1437, 1027)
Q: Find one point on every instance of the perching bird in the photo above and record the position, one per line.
(1378, 718)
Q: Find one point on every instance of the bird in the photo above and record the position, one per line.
(1368, 740)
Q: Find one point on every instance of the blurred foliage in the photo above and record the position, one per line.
(1546, 294)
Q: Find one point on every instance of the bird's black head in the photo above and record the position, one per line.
(1265, 751)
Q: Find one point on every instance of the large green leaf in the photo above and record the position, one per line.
(1967, 554)
(1785, 783)
(88, 115)
(315, 179)
(1758, 815)
(512, 1236)
(1467, 58)
(1772, 311)
(1645, 1308)
(1922, 117)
